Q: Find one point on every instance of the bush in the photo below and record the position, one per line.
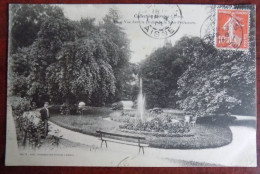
(117, 106)
(128, 113)
(98, 111)
(20, 105)
(54, 109)
(63, 109)
(156, 110)
(32, 128)
(221, 120)
(122, 117)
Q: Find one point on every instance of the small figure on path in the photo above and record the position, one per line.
(81, 107)
(45, 115)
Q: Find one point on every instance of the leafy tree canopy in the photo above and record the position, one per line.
(26, 21)
(72, 61)
(161, 70)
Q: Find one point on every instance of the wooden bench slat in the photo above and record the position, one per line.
(105, 139)
(125, 142)
(120, 135)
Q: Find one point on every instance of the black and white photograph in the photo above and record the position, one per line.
(126, 85)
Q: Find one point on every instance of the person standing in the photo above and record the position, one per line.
(45, 115)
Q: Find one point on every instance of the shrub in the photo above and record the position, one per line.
(156, 110)
(122, 117)
(64, 109)
(20, 105)
(117, 106)
(221, 120)
(32, 128)
(128, 113)
(56, 137)
(55, 109)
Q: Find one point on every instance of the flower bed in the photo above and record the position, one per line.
(160, 134)
(157, 124)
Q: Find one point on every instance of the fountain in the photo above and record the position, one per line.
(140, 102)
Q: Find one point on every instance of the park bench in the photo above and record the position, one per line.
(107, 136)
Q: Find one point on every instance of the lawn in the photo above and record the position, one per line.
(85, 124)
(204, 135)
(89, 123)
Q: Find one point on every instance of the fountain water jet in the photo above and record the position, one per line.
(140, 102)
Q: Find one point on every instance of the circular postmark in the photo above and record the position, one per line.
(207, 30)
(160, 21)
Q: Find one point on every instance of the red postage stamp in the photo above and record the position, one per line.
(232, 29)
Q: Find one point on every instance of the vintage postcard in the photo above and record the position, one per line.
(149, 85)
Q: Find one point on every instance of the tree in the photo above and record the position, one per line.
(73, 61)
(30, 63)
(127, 83)
(26, 21)
(123, 69)
(83, 72)
(220, 81)
(161, 70)
(217, 82)
(86, 68)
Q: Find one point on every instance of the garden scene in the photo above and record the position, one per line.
(187, 95)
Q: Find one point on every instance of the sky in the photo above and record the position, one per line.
(141, 45)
